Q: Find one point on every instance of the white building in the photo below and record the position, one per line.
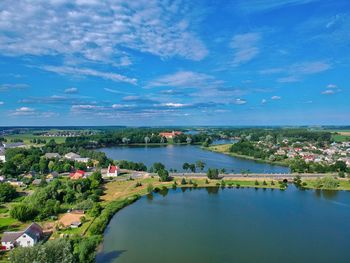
(72, 156)
(2, 155)
(82, 160)
(112, 170)
(27, 238)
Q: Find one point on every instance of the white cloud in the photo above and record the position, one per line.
(2, 103)
(6, 87)
(239, 101)
(328, 92)
(66, 70)
(99, 30)
(245, 47)
(263, 101)
(275, 97)
(185, 79)
(297, 71)
(71, 91)
(32, 113)
(253, 6)
(331, 86)
(174, 105)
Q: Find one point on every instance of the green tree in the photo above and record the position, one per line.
(7, 192)
(213, 173)
(200, 165)
(163, 175)
(158, 166)
(23, 212)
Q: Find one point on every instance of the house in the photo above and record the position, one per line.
(170, 135)
(112, 170)
(82, 160)
(71, 156)
(2, 155)
(52, 156)
(14, 145)
(36, 182)
(27, 238)
(77, 175)
(75, 224)
(52, 175)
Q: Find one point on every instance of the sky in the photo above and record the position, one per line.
(174, 62)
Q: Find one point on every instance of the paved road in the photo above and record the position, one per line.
(136, 175)
(251, 175)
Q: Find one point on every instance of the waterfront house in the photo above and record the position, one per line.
(170, 135)
(112, 171)
(27, 238)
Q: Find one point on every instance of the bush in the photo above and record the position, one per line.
(183, 181)
(23, 212)
(256, 182)
(7, 192)
(149, 188)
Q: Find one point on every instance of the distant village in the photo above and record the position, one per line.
(309, 152)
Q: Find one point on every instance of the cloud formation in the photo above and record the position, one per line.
(245, 47)
(83, 29)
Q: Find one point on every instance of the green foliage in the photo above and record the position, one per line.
(327, 182)
(58, 250)
(7, 192)
(23, 212)
(213, 173)
(132, 165)
(158, 167)
(200, 165)
(100, 223)
(163, 175)
(150, 188)
(183, 181)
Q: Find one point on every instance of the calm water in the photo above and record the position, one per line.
(173, 156)
(231, 225)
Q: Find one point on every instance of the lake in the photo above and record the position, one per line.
(231, 225)
(173, 156)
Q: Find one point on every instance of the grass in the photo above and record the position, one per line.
(341, 137)
(27, 137)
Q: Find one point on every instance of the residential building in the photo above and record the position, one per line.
(112, 170)
(79, 174)
(71, 156)
(52, 156)
(170, 135)
(82, 160)
(27, 238)
(2, 155)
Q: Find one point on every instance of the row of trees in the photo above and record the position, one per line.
(46, 201)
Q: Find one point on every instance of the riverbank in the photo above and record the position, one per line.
(225, 149)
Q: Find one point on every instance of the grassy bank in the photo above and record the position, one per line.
(225, 149)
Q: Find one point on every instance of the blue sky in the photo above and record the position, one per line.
(173, 62)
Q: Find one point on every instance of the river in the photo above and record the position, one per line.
(173, 157)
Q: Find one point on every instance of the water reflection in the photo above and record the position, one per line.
(212, 190)
(326, 194)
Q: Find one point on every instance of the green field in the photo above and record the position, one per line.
(27, 137)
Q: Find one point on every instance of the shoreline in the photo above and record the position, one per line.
(130, 194)
(245, 157)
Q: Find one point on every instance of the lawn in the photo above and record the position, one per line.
(27, 137)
